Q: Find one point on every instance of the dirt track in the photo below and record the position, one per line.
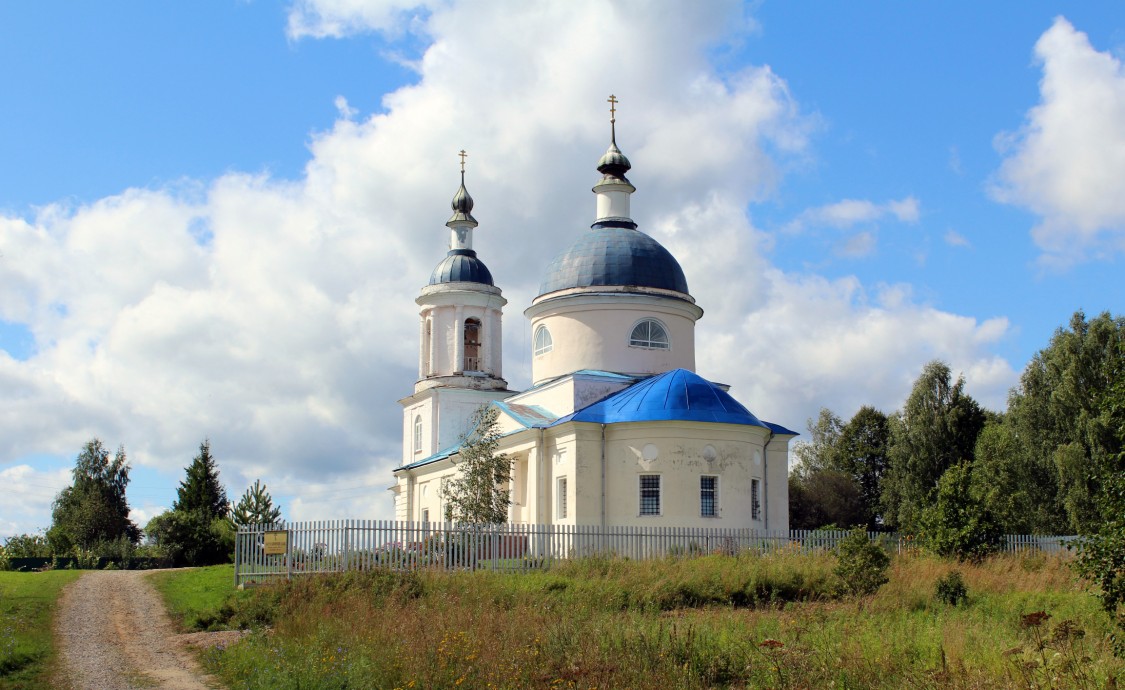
(113, 633)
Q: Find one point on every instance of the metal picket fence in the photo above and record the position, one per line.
(266, 552)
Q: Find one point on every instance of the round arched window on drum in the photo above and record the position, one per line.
(650, 334)
(543, 342)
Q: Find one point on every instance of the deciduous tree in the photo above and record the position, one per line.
(1059, 415)
(1021, 494)
(959, 523)
(937, 428)
(861, 452)
(479, 491)
(1101, 556)
(819, 452)
(825, 497)
(93, 510)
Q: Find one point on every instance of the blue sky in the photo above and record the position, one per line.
(214, 217)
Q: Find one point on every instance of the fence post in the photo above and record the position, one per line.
(347, 545)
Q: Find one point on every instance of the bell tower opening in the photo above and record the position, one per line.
(472, 345)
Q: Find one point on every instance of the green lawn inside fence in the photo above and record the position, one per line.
(27, 606)
(779, 620)
(200, 598)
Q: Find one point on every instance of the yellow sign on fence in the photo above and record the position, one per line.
(276, 543)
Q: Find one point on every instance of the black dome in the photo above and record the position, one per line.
(461, 266)
(612, 254)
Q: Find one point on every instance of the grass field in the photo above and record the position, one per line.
(195, 596)
(715, 621)
(27, 603)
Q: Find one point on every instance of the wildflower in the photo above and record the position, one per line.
(1034, 620)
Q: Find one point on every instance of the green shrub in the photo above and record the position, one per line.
(26, 546)
(862, 565)
(950, 589)
(960, 523)
(192, 538)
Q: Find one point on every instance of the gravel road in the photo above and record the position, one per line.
(113, 634)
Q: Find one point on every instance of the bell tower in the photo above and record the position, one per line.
(460, 337)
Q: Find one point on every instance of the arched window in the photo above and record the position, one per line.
(418, 434)
(472, 345)
(543, 342)
(649, 334)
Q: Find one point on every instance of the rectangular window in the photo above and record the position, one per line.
(650, 494)
(755, 506)
(709, 496)
(560, 498)
(426, 515)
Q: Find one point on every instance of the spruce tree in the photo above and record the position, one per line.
(201, 491)
(256, 507)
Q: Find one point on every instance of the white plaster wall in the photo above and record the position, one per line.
(777, 460)
(570, 393)
(423, 408)
(456, 409)
(575, 451)
(445, 417)
(426, 493)
(592, 332)
(680, 462)
(557, 397)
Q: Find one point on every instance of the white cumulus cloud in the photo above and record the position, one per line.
(851, 212)
(24, 491)
(1067, 161)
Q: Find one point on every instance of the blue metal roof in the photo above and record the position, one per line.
(677, 395)
(614, 253)
(461, 266)
(440, 455)
(778, 429)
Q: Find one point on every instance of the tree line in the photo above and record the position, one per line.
(958, 475)
(90, 518)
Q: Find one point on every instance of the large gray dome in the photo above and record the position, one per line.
(614, 253)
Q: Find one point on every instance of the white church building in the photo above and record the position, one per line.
(617, 428)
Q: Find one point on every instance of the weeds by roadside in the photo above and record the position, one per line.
(711, 621)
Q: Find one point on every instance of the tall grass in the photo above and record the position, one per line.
(775, 621)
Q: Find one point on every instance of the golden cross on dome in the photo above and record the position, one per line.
(462, 154)
(612, 100)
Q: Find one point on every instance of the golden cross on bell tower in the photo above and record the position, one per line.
(462, 154)
(612, 100)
